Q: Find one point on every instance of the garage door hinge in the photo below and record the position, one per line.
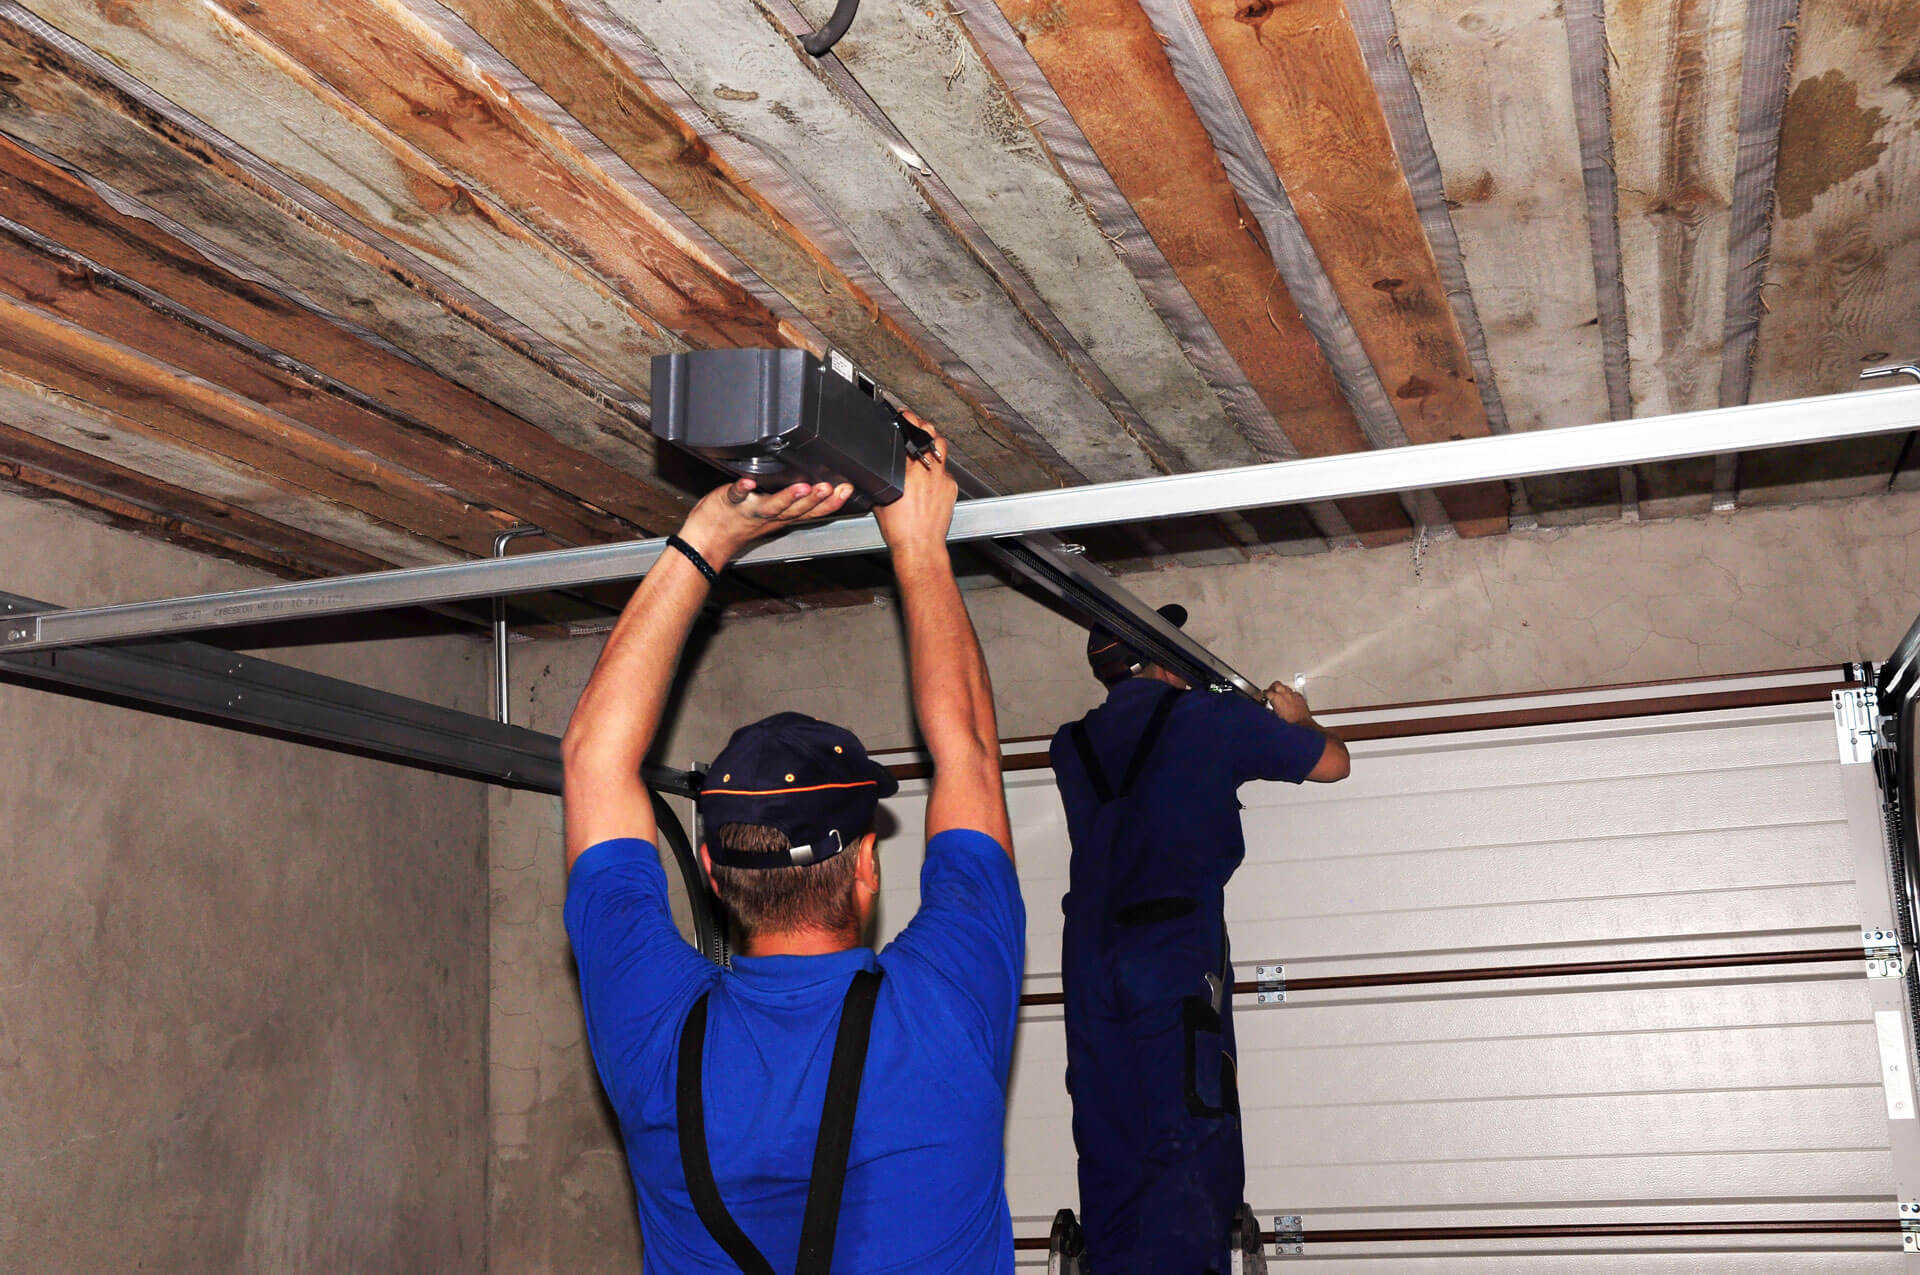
(1856, 723)
(1289, 1235)
(1272, 983)
(1883, 953)
(1910, 1226)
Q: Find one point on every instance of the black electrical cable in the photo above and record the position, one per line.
(826, 37)
(707, 935)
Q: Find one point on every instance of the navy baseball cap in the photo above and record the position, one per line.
(1112, 659)
(810, 779)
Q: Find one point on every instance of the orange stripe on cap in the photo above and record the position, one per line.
(1108, 647)
(776, 792)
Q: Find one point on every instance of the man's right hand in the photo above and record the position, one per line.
(921, 517)
(1290, 704)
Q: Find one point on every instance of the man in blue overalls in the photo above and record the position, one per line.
(1149, 780)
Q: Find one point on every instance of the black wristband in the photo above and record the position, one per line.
(693, 555)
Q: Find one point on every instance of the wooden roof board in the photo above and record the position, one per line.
(1496, 87)
(67, 111)
(1843, 281)
(1299, 73)
(1159, 154)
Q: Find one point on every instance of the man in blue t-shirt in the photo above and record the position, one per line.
(1149, 781)
(758, 1139)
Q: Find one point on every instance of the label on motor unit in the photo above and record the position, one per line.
(842, 365)
(1894, 1072)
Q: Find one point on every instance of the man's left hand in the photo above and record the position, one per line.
(729, 518)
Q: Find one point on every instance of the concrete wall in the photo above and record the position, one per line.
(241, 981)
(1765, 589)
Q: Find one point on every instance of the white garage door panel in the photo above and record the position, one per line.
(1688, 1094)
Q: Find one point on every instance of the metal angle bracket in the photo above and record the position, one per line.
(1289, 1235)
(1856, 724)
(1272, 980)
(1910, 1226)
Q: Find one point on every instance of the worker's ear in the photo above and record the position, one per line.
(706, 867)
(866, 868)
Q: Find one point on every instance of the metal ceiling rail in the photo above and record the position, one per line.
(1392, 470)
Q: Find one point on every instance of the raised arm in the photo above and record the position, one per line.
(1335, 763)
(614, 723)
(952, 698)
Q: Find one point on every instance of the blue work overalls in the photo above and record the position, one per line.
(1145, 966)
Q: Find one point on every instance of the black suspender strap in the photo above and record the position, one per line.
(1142, 751)
(691, 1116)
(835, 1140)
(831, 1147)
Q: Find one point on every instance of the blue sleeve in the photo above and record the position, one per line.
(969, 938)
(637, 975)
(1260, 744)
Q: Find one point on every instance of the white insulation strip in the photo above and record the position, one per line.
(1004, 50)
(512, 82)
(1593, 118)
(1766, 68)
(318, 208)
(1420, 162)
(1251, 172)
(790, 193)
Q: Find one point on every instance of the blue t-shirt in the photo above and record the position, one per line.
(926, 1181)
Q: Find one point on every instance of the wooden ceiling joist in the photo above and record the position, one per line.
(56, 204)
(182, 515)
(1158, 154)
(90, 297)
(116, 438)
(1843, 282)
(751, 77)
(1299, 73)
(921, 68)
(67, 111)
(558, 52)
(170, 402)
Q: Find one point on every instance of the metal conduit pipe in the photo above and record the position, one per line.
(1574, 1230)
(1495, 973)
(500, 543)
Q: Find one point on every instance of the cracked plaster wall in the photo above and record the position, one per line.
(242, 1014)
(1582, 606)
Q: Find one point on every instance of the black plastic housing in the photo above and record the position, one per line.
(780, 417)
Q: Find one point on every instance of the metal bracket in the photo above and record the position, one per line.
(1910, 1226)
(1883, 954)
(1856, 724)
(1273, 983)
(1289, 1235)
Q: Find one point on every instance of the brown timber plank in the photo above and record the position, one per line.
(1159, 154)
(1300, 74)
(556, 51)
(402, 74)
(52, 103)
(1843, 282)
(42, 347)
(223, 74)
(52, 202)
(89, 299)
(177, 515)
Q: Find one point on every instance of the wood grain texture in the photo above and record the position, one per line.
(1496, 88)
(1157, 150)
(89, 298)
(155, 396)
(557, 52)
(177, 515)
(64, 109)
(398, 70)
(1676, 121)
(1843, 282)
(1299, 72)
(238, 84)
(113, 438)
(56, 204)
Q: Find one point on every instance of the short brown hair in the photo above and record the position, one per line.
(817, 896)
